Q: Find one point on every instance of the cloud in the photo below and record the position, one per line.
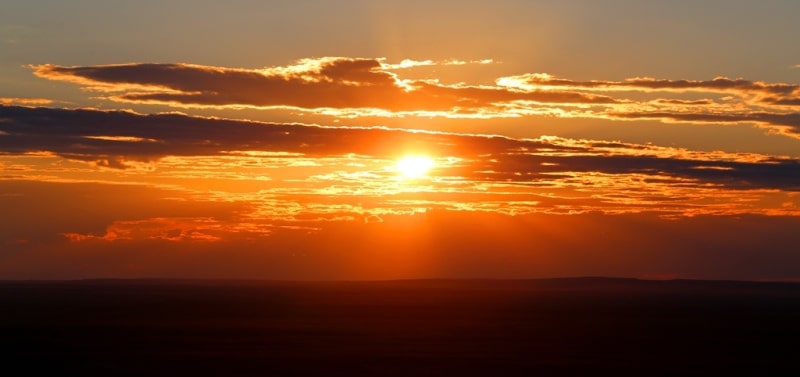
(312, 84)
(25, 101)
(768, 105)
(717, 85)
(46, 212)
(409, 63)
(440, 244)
(94, 135)
(786, 123)
(119, 139)
(160, 228)
(355, 87)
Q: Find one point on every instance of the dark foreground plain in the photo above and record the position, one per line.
(583, 327)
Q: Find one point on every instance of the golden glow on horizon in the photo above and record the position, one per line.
(412, 167)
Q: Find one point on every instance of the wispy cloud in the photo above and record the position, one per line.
(786, 123)
(25, 101)
(717, 85)
(409, 63)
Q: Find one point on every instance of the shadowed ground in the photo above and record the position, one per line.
(586, 326)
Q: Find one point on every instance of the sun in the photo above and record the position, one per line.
(411, 167)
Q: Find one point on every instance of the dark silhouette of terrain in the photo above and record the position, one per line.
(581, 326)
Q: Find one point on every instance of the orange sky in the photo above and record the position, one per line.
(533, 152)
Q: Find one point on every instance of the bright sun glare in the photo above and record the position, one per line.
(411, 167)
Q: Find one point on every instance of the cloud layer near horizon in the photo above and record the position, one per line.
(68, 231)
(352, 87)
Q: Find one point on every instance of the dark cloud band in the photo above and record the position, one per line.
(114, 137)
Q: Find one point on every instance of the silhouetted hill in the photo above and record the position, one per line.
(571, 326)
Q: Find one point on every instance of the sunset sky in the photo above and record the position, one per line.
(399, 139)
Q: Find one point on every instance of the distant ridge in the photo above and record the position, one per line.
(577, 281)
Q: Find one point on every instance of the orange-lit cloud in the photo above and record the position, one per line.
(786, 123)
(354, 87)
(717, 85)
(312, 84)
(409, 63)
(49, 211)
(118, 139)
(768, 105)
(25, 101)
(167, 229)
